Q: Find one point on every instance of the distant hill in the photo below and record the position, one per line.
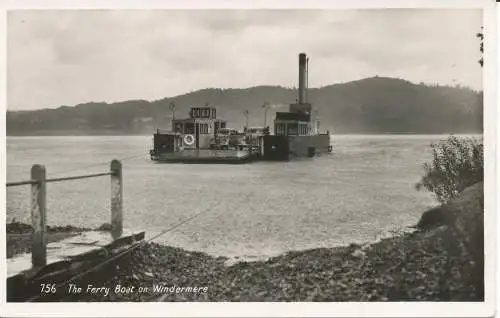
(375, 105)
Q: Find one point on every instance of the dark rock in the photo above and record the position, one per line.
(16, 227)
(466, 221)
(432, 218)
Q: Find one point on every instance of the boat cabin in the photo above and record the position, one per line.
(199, 129)
(295, 122)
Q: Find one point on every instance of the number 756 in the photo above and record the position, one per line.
(48, 288)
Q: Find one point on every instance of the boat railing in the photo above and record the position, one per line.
(164, 131)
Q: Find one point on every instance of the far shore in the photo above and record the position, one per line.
(119, 134)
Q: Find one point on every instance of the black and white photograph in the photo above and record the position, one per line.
(234, 154)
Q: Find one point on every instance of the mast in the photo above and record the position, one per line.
(172, 108)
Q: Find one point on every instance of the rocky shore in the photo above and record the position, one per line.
(412, 267)
(16, 227)
(435, 263)
(19, 236)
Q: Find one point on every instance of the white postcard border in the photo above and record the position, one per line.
(350, 309)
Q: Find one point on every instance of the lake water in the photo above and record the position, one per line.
(362, 191)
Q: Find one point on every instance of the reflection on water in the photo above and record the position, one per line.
(361, 191)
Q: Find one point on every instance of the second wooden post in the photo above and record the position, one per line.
(38, 217)
(116, 199)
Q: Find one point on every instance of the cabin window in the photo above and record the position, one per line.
(189, 128)
(293, 129)
(303, 130)
(178, 127)
(280, 129)
(203, 128)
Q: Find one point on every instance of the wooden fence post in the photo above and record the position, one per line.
(116, 199)
(38, 217)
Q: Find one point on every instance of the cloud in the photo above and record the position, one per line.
(69, 57)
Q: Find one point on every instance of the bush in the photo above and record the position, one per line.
(457, 164)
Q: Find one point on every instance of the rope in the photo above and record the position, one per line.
(141, 244)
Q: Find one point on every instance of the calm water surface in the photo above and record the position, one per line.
(362, 191)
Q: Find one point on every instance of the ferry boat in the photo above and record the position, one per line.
(205, 138)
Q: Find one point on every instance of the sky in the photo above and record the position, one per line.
(57, 58)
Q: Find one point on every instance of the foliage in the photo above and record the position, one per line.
(457, 163)
(480, 35)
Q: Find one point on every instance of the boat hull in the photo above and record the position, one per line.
(284, 148)
(206, 156)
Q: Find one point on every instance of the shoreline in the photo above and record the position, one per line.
(406, 267)
(21, 230)
(149, 134)
(18, 235)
